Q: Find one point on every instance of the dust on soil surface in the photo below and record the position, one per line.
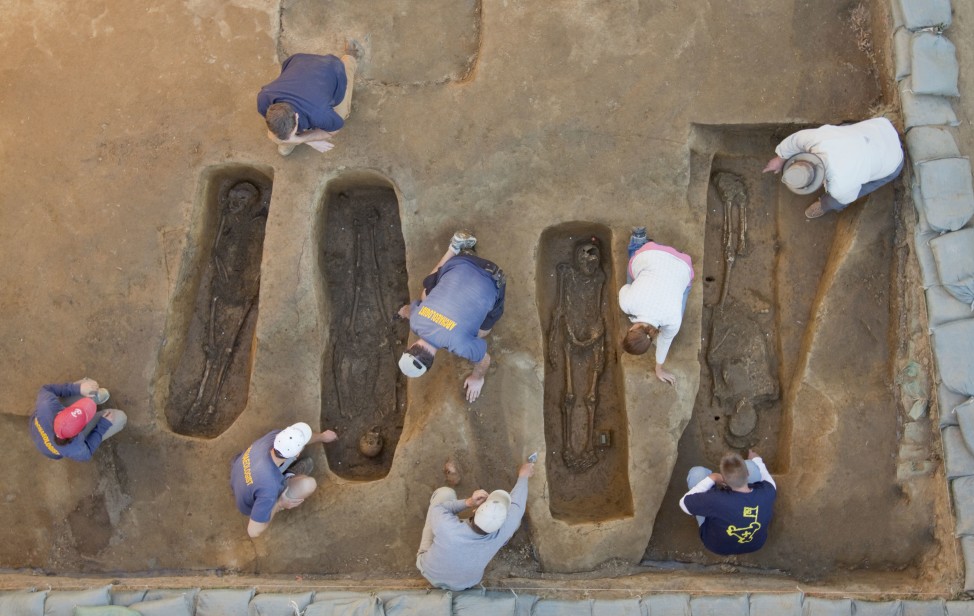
(363, 392)
(585, 416)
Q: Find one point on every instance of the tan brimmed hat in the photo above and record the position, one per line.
(803, 173)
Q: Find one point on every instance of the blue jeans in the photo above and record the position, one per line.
(829, 204)
(699, 473)
(634, 245)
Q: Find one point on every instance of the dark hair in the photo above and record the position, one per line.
(280, 119)
(476, 528)
(639, 338)
(734, 470)
(422, 354)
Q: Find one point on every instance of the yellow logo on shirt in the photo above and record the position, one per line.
(746, 533)
(45, 438)
(245, 460)
(437, 318)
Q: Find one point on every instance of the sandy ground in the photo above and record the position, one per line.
(504, 117)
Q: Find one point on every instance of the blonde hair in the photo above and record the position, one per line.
(734, 470)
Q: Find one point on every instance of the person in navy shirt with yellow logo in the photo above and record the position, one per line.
(733, 507)
(74, 431)
(266, 478)
(462, 299)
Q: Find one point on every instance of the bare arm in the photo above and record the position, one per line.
(475, 382)
(328, 436)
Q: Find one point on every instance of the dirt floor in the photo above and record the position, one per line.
(128, 129)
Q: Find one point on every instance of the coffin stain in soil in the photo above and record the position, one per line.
(363, 260)
(210, 377)
(584, 413)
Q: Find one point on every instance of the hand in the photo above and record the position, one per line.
(405, 311)
(321, 146)
(526, 470)
(328, 436)
(775, 165)
(89, 387)
(473, 385)
(663, 375)
(109, 414)
(717, 478)
(751, 454)
(477, 498)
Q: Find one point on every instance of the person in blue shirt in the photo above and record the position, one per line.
(453, 552)
(733, 507)
(463, 297)
(310, 100)
(74, 428)
(267, 477)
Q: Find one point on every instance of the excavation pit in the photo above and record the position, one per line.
(214, 313)
(584, 410)
(786, 302)
(363, 263)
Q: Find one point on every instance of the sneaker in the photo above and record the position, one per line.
(101, 397)
(815, 210)
(304, 466)
(462, 240)
(639, 233)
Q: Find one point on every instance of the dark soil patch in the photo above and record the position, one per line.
(363, 391)
(90, 525)
(208, 390)
(585, 416)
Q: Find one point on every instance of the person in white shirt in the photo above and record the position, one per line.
(851, 161)
(655, 297)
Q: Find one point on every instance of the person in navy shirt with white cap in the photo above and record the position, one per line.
(268, 477)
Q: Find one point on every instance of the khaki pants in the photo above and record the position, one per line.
(343, 108)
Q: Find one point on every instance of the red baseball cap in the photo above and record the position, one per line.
(72, 420)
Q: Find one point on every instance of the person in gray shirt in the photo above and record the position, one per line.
(454, 553)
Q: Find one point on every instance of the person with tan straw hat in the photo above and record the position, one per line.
(267, 477)
(851, 161)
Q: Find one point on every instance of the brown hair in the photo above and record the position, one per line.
(280, 120)
(639, 338)
(734, 470)
(422, 354)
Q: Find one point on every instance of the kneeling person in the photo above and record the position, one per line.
(266, 479)
(77, 430)
(454, 553)
(733, 507)
(463, 297)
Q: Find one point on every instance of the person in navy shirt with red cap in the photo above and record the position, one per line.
(74, 431)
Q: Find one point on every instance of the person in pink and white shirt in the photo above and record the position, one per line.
(655, 297)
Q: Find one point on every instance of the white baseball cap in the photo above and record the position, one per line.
(412, 366)
(291, 440)
(491, 514)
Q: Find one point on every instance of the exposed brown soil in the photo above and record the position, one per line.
(755, 355)
(585, 416)
(363, 259)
